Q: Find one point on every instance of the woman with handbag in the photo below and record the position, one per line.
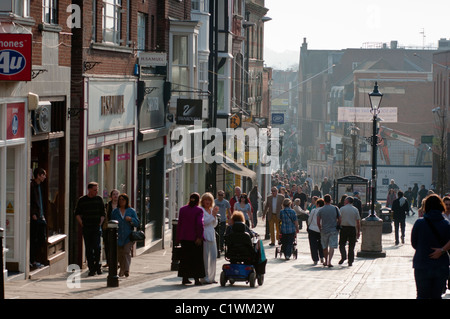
(429, 237)
(127, 219)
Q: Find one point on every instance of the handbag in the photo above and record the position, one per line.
(137, 235)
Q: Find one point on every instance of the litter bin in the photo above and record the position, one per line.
(386, 216)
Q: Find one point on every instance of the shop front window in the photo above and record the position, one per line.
(10, 202)
(55, 219)
(123, 167)
(93, 165)
(110, 167)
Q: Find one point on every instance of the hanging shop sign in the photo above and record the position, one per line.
(188, 111)
(15, 57)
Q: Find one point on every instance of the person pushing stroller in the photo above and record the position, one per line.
(289, 228)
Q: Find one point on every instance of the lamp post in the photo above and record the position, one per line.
(375, 100)
(372, 226)
(354, 133)
(441, 115)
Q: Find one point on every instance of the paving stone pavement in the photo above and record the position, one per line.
(150, 277)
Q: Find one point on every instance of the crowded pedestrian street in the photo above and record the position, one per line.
(391, 277)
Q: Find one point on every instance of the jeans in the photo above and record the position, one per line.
(287, 242)
(430, 282)
(397, 224)
(92, 237)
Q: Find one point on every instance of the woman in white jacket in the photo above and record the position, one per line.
(209, 234)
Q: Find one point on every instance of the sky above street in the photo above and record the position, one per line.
(330, 24)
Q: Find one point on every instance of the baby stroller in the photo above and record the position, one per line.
(244, 262)
(279, 250)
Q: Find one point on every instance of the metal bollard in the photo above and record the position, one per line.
(113, 278)
(175, 246)
(267, 235)
(2, 274)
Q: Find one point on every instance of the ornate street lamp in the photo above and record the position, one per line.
(375, 100)
(372, 226)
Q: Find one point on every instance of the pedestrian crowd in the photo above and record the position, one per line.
(202, 226)
(339, 226)
(204, 221)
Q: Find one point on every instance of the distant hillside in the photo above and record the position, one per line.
(281, 61)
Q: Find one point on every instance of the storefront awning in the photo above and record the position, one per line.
(230, 165)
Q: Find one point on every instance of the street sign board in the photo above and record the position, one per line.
(363, 115)
(277, 118)
(15, 57)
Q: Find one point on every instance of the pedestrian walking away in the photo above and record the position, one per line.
(400, 207)
(328, 220)
(430, 237)
(350, 230)
(190, 236)
(288, 228)
(315, 244)
(409, 197)
(357, 202)
(90, 214)
(423, 192)
(325, 187)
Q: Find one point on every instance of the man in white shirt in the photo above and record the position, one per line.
(350, 230)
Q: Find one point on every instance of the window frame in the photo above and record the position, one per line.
(116, 18)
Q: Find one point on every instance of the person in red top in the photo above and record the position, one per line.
(190, 235)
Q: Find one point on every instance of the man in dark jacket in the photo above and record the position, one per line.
(38, 223)
(90, 214)
(400, 207)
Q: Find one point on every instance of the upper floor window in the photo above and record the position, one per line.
(142, 31)
(200, 5)
(22, 8)
(50, 11)
(180, 62)
(111, 21)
